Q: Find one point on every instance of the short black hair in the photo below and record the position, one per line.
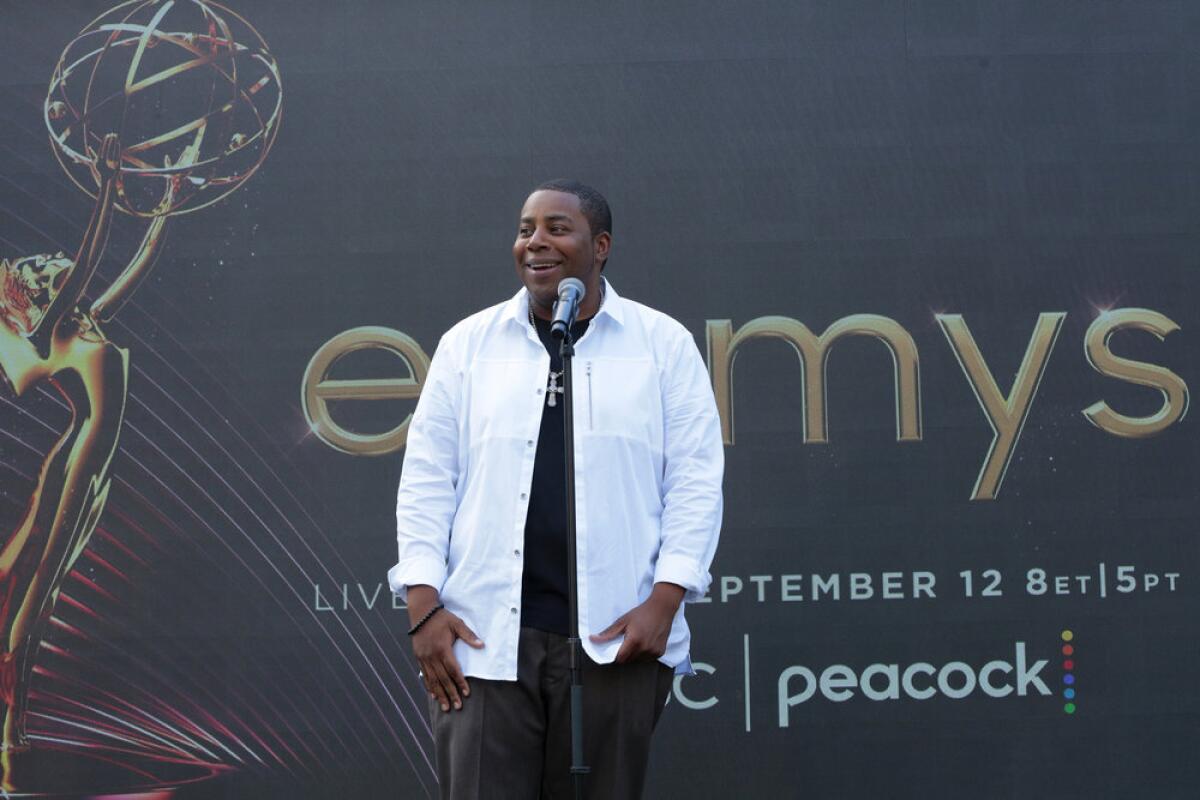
(591, 202)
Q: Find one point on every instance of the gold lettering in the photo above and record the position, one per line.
(813, 352)
(318, 388)
(1006, 415)
(1174, 389)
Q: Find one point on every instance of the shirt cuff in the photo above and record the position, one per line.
(682, 571)
(416, 572)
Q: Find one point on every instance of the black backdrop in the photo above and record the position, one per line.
(811, 160)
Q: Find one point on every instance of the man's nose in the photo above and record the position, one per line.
(537, 239)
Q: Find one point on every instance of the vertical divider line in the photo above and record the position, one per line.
(746, 665)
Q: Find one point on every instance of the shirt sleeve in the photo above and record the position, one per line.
(426, 500)
(693, 466)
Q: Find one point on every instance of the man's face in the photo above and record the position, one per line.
(555, 241)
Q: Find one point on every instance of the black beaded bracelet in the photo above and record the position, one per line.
(428, 614)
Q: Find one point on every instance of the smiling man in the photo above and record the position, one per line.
(481, 520)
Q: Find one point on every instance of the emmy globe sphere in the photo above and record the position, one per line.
(188, 85)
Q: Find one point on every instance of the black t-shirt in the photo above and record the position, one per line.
(544, 581)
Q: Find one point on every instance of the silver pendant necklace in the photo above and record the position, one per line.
(552, 387)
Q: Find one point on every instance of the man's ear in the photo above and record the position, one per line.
(601, 245)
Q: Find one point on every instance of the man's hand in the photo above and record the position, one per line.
(647, 626)
(433, 646)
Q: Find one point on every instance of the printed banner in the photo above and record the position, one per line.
(940, 260)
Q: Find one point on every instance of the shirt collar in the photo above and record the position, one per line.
(517, 308)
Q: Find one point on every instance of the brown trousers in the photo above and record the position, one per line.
(512, 740)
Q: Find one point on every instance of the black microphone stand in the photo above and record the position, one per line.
(578, 770)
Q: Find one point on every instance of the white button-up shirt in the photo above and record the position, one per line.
(648, 466)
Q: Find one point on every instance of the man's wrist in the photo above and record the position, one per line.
(667, 595)
(421, 598)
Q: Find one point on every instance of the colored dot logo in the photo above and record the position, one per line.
(1068, 651)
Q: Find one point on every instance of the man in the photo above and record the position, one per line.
(481, 520)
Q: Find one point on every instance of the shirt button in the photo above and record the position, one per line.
(539, 391)
(517, 552)
(513, 610)
(529, 442)
(523, 495)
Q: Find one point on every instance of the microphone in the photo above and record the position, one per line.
(570, 295)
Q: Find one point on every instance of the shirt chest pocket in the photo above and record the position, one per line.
(619, 397)
(500, 395)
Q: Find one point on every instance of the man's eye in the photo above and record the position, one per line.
(524, 232)
(557, 229)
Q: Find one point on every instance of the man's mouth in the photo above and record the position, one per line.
(541, 266)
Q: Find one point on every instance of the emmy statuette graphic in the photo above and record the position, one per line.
(156, 109)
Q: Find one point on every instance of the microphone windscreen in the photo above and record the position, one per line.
(572, 283)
